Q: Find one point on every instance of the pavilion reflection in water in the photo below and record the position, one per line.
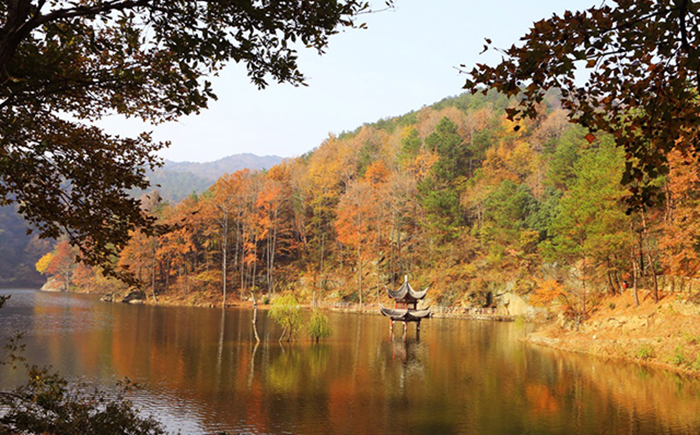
(405, 309)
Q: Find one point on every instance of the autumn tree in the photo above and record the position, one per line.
(224, 210)
(176, 247)
(405, 214)
(592, 230)
(139, 258)
(64, 64)
(286, 312)
(354, 224)
(643, 71)
(275, 220)
(60, 264)
(681, 230)
(323, 182)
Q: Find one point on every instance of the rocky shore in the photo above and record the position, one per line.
(664, 334)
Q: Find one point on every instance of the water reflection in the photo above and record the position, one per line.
(204, 372)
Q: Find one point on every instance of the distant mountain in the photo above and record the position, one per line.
(213, 170)
(19, 251)
(177, 180)
(175, 186)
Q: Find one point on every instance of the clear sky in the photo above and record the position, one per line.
(407, 58)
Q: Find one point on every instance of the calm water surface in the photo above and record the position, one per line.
(203, 373)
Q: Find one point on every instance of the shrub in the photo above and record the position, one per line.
(645, 352)
(318, 326)
(679, 357)
(47, 404)
(286, 312)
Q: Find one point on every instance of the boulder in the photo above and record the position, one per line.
(109, 297)
(53, 285)
(135, 297)
(513, 305)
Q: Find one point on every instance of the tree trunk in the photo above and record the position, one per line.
(242, 262)
(610, 280)
(583, 287)
(153, 271)
(320, 281)
(656, 282)
(224, 252)
(284, 331)
(359, 267)
(255, 317)
(237, 249)
(274, 252)
(634, 283)
(255, 264)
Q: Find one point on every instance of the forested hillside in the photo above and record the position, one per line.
(19, 251)
(174, 182)
(177, 180)
(453, 195)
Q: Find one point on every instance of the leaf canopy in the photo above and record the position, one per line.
(65, 63)
(643, 64)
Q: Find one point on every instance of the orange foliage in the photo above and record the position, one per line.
(301, 218)
(377, 173)
(547, 292)
(681, 231)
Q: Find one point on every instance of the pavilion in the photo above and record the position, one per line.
(405, 308)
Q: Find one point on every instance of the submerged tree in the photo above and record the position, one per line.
(318, 326)
(64, 64)
(286, 311)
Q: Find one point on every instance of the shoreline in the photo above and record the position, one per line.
(558, 345)
(371, 308)
(664, 335)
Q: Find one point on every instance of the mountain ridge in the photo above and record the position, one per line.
(175, 181)
(214, 169)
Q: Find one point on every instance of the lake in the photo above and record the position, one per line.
(202, 372)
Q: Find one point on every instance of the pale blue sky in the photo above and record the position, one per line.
(404, 60)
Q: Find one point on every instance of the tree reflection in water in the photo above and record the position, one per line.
(203, 372)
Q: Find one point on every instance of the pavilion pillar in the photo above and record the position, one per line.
(418, 330)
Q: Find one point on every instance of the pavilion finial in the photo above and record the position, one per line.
(405, 278)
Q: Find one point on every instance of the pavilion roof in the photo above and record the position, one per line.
(406, 292)
(404, 314)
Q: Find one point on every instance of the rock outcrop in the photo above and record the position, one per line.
(135, 297)
(53, 285)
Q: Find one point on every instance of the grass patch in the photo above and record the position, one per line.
(678, 357)
(690, 338)
(645, 352)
